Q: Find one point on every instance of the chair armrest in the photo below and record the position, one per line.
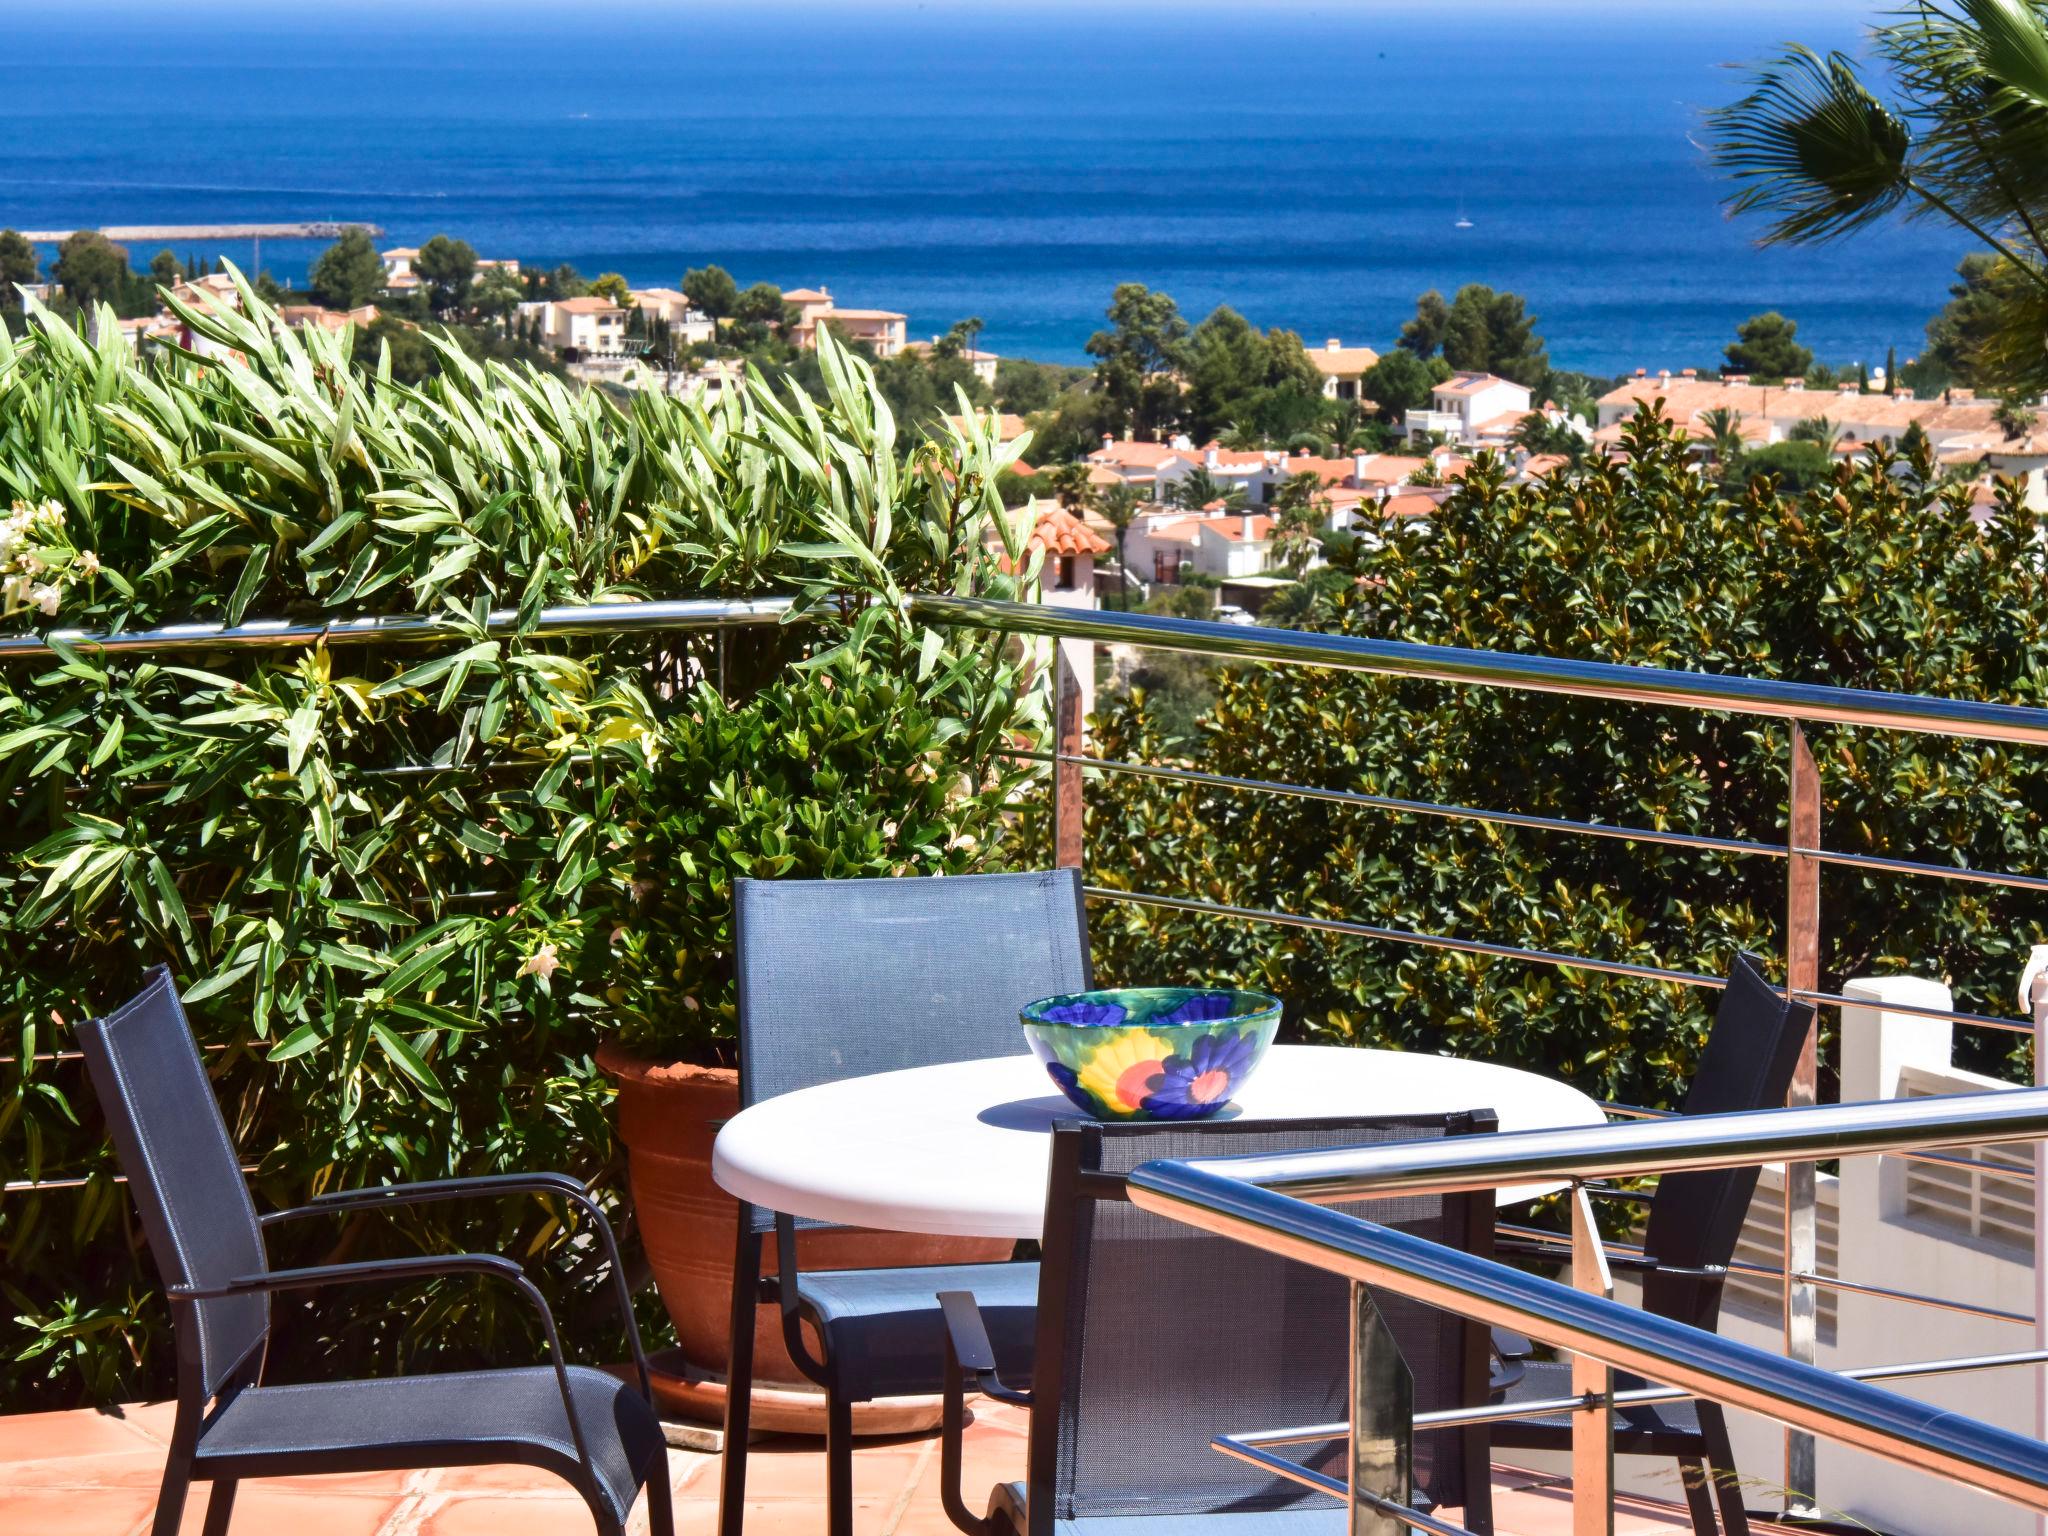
(967, 1344)
(967, 1350)
(431, 1191)
(418, 1267)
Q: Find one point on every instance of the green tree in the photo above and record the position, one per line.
(1792, 467)
(91, 269)
(1764, 346)
(1137, 358)
(2016, 418)
(1817, 151)
(1983, 300)
(1400, 382)
(1070, 486)
(1120, 506)
(1815, 429)
(1259, 381)
(1024, 387)
(1424, 335)
(447, 267)
(164, 270)
(762, 305)
(349, 273)
(564, 282)
(613, 286)
(1723, 426)
(496, 294)
(1299, 507)
(1198, 489)
(1645, 563)
(1489, 332)
(1478, 331)
(18, 262)
(712, 291)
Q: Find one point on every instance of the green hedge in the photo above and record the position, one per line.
(408, 890)
(1872, 581)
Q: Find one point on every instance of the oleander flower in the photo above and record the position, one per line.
(1200, 1082)
(47, 598)
(1124, 1068)
(543, 963)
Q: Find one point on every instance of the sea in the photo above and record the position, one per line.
(1315, 166)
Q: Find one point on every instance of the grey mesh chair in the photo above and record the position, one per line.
(587, 1427)
(1694, 1223)
(841, 978)
(1154, 1337)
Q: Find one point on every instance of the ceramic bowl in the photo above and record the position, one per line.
(1151, 1053)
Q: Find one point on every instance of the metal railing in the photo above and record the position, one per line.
(1279, 1203)
(1802, 852)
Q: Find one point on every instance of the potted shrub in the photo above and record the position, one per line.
(854, 743)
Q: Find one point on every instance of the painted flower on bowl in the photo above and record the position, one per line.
(1125, 1069)
(1200, 1009)
(1082, 1011)
(1198, 1083)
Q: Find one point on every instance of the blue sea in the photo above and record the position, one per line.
(1305, 163)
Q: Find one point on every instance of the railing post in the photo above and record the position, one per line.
(1593, 1383)
(1068, 714)
(1382, 1450)
(2034, 997)
(1802, 1235)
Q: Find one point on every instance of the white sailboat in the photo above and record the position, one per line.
(1463, 222)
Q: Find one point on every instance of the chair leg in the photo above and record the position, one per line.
(1699, 1497)
(220, 1505)
(739, 1379)
(1721, 1457)
(170, 1499)
(838, 1463)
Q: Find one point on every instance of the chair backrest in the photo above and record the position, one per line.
(1153, 1337)
(182, 1171)
(841, 978)
(1696, 1218)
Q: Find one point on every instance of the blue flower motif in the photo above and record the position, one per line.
(1063, 1076)
(1079, 1012)
(1200, 1082)
(1200, 1009)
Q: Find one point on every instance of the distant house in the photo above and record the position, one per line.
(1067, 578)
(1343, 368)
(690, 327)
(580, 329)
(1167, 546)
(300, 316)
(1465, 402)
(881, 329)
(399, 277)
(1962, 429)
(983, 363)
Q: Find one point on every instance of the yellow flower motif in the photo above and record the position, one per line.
(1124, 1068)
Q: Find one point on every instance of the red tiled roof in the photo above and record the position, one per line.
(1059, 532)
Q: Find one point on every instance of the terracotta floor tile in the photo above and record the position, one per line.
(265, 1507)
(60, 1512)
(142, 1468)
(502, 1515)
(81, 1432)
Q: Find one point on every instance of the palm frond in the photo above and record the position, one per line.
(1812, 146)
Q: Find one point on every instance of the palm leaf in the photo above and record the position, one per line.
(1812, 146)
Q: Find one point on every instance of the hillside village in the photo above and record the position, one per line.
(1244, 521)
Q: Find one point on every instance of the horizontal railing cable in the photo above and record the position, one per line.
(1768, 697)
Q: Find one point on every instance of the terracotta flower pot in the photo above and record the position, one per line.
(668, 1116)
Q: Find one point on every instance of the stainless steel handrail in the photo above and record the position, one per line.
(1269, 1201)
(277, 634)
(1810, 702)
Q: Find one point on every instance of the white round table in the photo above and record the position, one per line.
(961, 1149)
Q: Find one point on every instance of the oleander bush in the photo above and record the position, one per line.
(408, 888)
(1873, 580)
